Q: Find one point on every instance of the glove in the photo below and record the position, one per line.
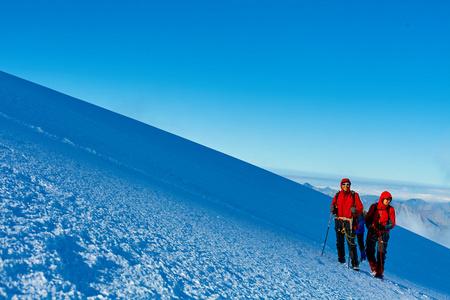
(380, 227)
(389, 225)
(332, 208)
(353, 210)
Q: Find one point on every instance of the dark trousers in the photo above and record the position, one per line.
(379, 251)
(360, 237)
(342, 236)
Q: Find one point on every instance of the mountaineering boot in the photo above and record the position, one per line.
(355, 265)
(341, 260)
(379, 272)
(373, 268)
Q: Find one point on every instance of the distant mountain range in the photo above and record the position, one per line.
(428, 219)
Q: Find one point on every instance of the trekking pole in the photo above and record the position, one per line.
(326, 234)
(349, 242)
(380, 243)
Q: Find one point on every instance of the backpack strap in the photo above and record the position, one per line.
(388, 212)
(353, 196)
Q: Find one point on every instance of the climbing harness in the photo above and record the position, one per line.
(344, 231)
(346, 219)
(347, 236)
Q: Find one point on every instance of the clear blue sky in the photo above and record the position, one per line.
(352, 88)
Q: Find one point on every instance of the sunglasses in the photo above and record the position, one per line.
(346, 184)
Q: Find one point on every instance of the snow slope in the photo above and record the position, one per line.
(96, 205)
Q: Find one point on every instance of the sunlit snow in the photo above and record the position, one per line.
(94, 205)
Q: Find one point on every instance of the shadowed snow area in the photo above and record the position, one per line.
(94, 205)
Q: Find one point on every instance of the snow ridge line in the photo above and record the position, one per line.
(68, 141)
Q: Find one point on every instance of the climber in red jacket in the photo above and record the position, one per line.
(346, 205)
(380, 219)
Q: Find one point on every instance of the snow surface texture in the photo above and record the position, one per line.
(97, 206)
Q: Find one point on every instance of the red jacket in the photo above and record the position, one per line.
(380, 213)
(344, 202)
